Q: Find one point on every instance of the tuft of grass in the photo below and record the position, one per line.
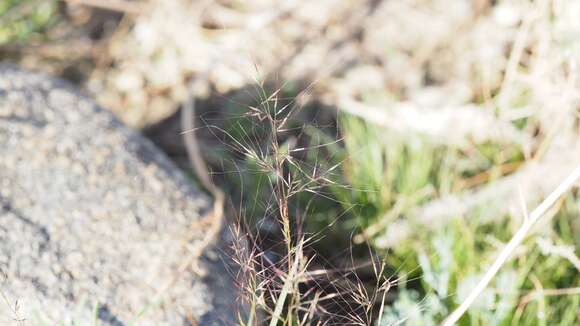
(283, 178)
(311, 189)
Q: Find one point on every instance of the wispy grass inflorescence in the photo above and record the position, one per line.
(288, 285)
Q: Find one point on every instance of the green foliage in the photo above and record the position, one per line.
(382, 169)
(388, 174)
(21, 20)
(374, 177)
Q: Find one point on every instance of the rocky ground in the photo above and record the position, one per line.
(95, 222)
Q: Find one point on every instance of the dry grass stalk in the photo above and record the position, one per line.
(516, 240)
(14, 308)
(288, 291)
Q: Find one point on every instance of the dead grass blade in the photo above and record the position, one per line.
(516, 240)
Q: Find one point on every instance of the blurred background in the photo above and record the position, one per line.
(437, 123)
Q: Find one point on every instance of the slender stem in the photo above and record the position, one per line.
(512, 245)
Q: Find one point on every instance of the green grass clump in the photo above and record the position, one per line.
(356, 181)
(389, 175)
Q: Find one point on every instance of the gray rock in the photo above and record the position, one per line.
(94, 220)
